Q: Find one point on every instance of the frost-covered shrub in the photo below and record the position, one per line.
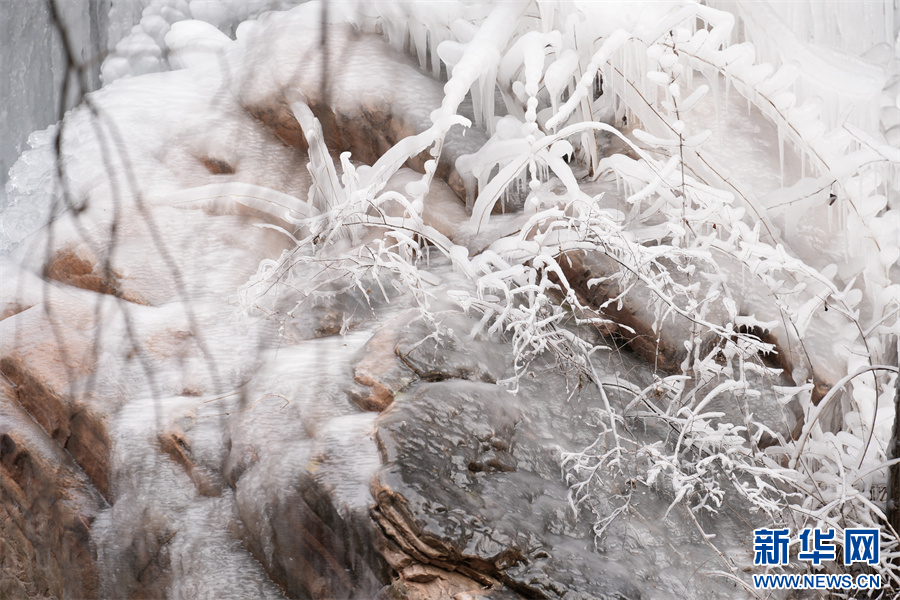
(796, 238)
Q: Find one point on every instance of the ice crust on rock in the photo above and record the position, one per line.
(225, 396)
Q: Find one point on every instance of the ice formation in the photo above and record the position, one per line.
(750, 207)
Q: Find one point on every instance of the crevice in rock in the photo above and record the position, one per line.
(317, 550)
(414, 561)
(634, 322)
(177, 448)
(217, 166)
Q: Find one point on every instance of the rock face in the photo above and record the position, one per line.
(48, 507)
(635, 321)
(407, 349)
(160, 437)
(478, 509)
(318, 551)
(356, 116)
(471, 486)
(452, 490)
(46, 359)
(444, 485)
(69, 268)
(380, 369)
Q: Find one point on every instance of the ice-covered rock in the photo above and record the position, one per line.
(49, 507)
(203, 311)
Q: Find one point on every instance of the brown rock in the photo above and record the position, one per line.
(178, 448)
(48, 506)
(70, 267)
(633, 319)
(449, 353)
(630, 325)
(420, 573)
(458, 488)
(426, 582)
(278, 117)
(380, 369)
(9, 309)
(318, 549)
(44, 370)
(375, 121)
(217, 166)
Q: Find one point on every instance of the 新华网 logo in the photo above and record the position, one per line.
(771, 546)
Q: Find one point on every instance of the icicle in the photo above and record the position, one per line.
(547, 11)
(781, 151)
(475, 92)
(713, 77)
(830, 211)
(435, 59)
(419, 37)
(727, 88)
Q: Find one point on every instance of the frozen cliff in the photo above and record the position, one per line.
(457, 300)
